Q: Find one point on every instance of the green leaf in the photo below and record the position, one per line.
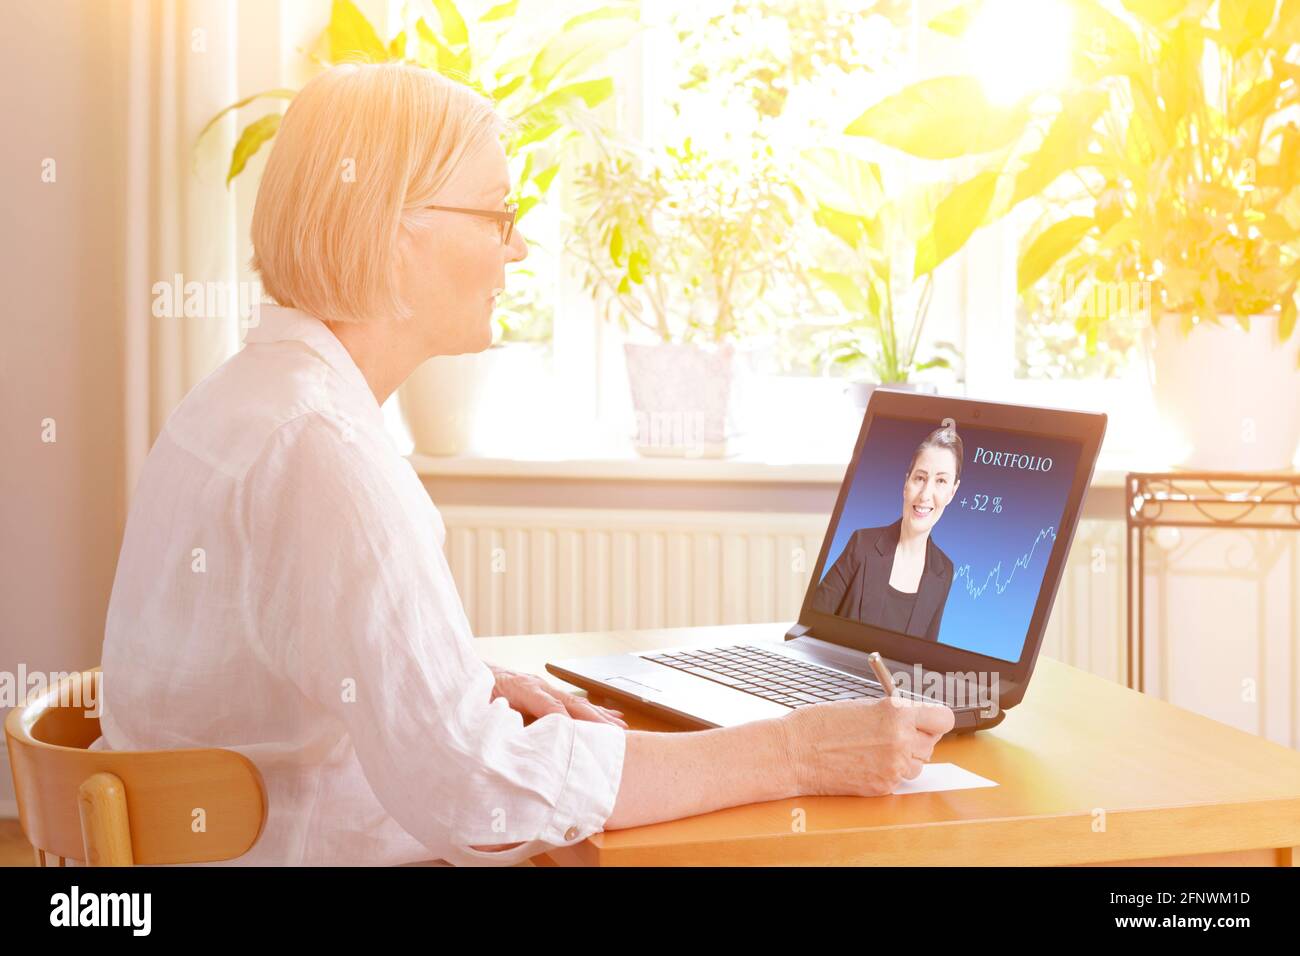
(1286, 322)
(250, 141)
(616, 245)
(1149, 120)
(453, 24)
(1288, 25)
(502, 11)
(1126, 230)
(941, 118)
(1106, 45)
(630, 10)
(1063, 148)
(1227, 259)
(1242, 23)
(590, 92)
(844, 288)
(505, 89)
(534, 134)
(1054, 242)
(938, 362)
(455, 63)
(956, 217)
(529, 158)
(875, 304)
(577, 48)
(283, 94)
(842, 181)
(1156, 12)
(1259, 98)
(849, 228)
(427, 46)
(543, 179)
(956, 20)
(351, 36)
(636, 266)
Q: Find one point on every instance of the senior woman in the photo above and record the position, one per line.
(282, 589)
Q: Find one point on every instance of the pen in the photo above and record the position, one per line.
(885, 678)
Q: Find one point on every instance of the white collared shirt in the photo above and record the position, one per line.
(282, 591)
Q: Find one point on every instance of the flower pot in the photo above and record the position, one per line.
(515, 407)
(682, 399)
(1228, 398)
(438, 402)
(859, 393)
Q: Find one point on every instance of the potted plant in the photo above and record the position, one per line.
(546, 89)
(679, 247)
(867, 268)
(1169, 163)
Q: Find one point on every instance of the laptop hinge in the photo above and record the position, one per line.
(799, 630)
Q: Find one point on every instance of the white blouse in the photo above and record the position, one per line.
(282, 591)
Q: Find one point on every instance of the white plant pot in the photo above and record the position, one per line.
(1229, 399)
(438, 403)
(682, 399)
(515, 407)
(859, 393)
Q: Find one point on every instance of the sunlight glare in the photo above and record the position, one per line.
(1019, 47)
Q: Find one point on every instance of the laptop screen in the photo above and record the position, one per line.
(946, 532)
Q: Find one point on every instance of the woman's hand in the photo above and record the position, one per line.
(534, 697)
(863, 747)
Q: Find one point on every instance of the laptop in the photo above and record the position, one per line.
(943, 554)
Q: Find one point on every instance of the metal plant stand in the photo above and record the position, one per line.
(1191, 499)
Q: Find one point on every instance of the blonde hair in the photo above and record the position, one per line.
(360, 150)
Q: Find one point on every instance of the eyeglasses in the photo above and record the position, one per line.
(506, 218)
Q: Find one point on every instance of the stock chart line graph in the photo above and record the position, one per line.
(994, 577)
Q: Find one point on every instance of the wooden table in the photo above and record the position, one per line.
(1089, 772)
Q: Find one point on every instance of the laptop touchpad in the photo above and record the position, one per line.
(636, 687)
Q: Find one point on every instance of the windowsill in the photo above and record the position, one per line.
(627, 465)
(792, 447)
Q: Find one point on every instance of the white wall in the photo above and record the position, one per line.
(61, 503)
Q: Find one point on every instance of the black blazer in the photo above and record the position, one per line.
(855, 586)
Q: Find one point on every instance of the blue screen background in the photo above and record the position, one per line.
(999, 558)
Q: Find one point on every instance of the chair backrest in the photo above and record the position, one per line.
(118, 808)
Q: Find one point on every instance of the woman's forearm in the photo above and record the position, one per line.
(671, 775)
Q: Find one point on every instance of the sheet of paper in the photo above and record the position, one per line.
(944, 776)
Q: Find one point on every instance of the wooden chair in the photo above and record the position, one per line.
(121, 808)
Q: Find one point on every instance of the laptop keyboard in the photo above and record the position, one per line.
(773, 677)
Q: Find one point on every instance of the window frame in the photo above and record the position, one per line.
(978, 286)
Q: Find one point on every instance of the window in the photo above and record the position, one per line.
(793, 74)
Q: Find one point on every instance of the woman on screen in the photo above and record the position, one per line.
(895, 577)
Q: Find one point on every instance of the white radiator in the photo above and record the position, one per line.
(539, 570)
